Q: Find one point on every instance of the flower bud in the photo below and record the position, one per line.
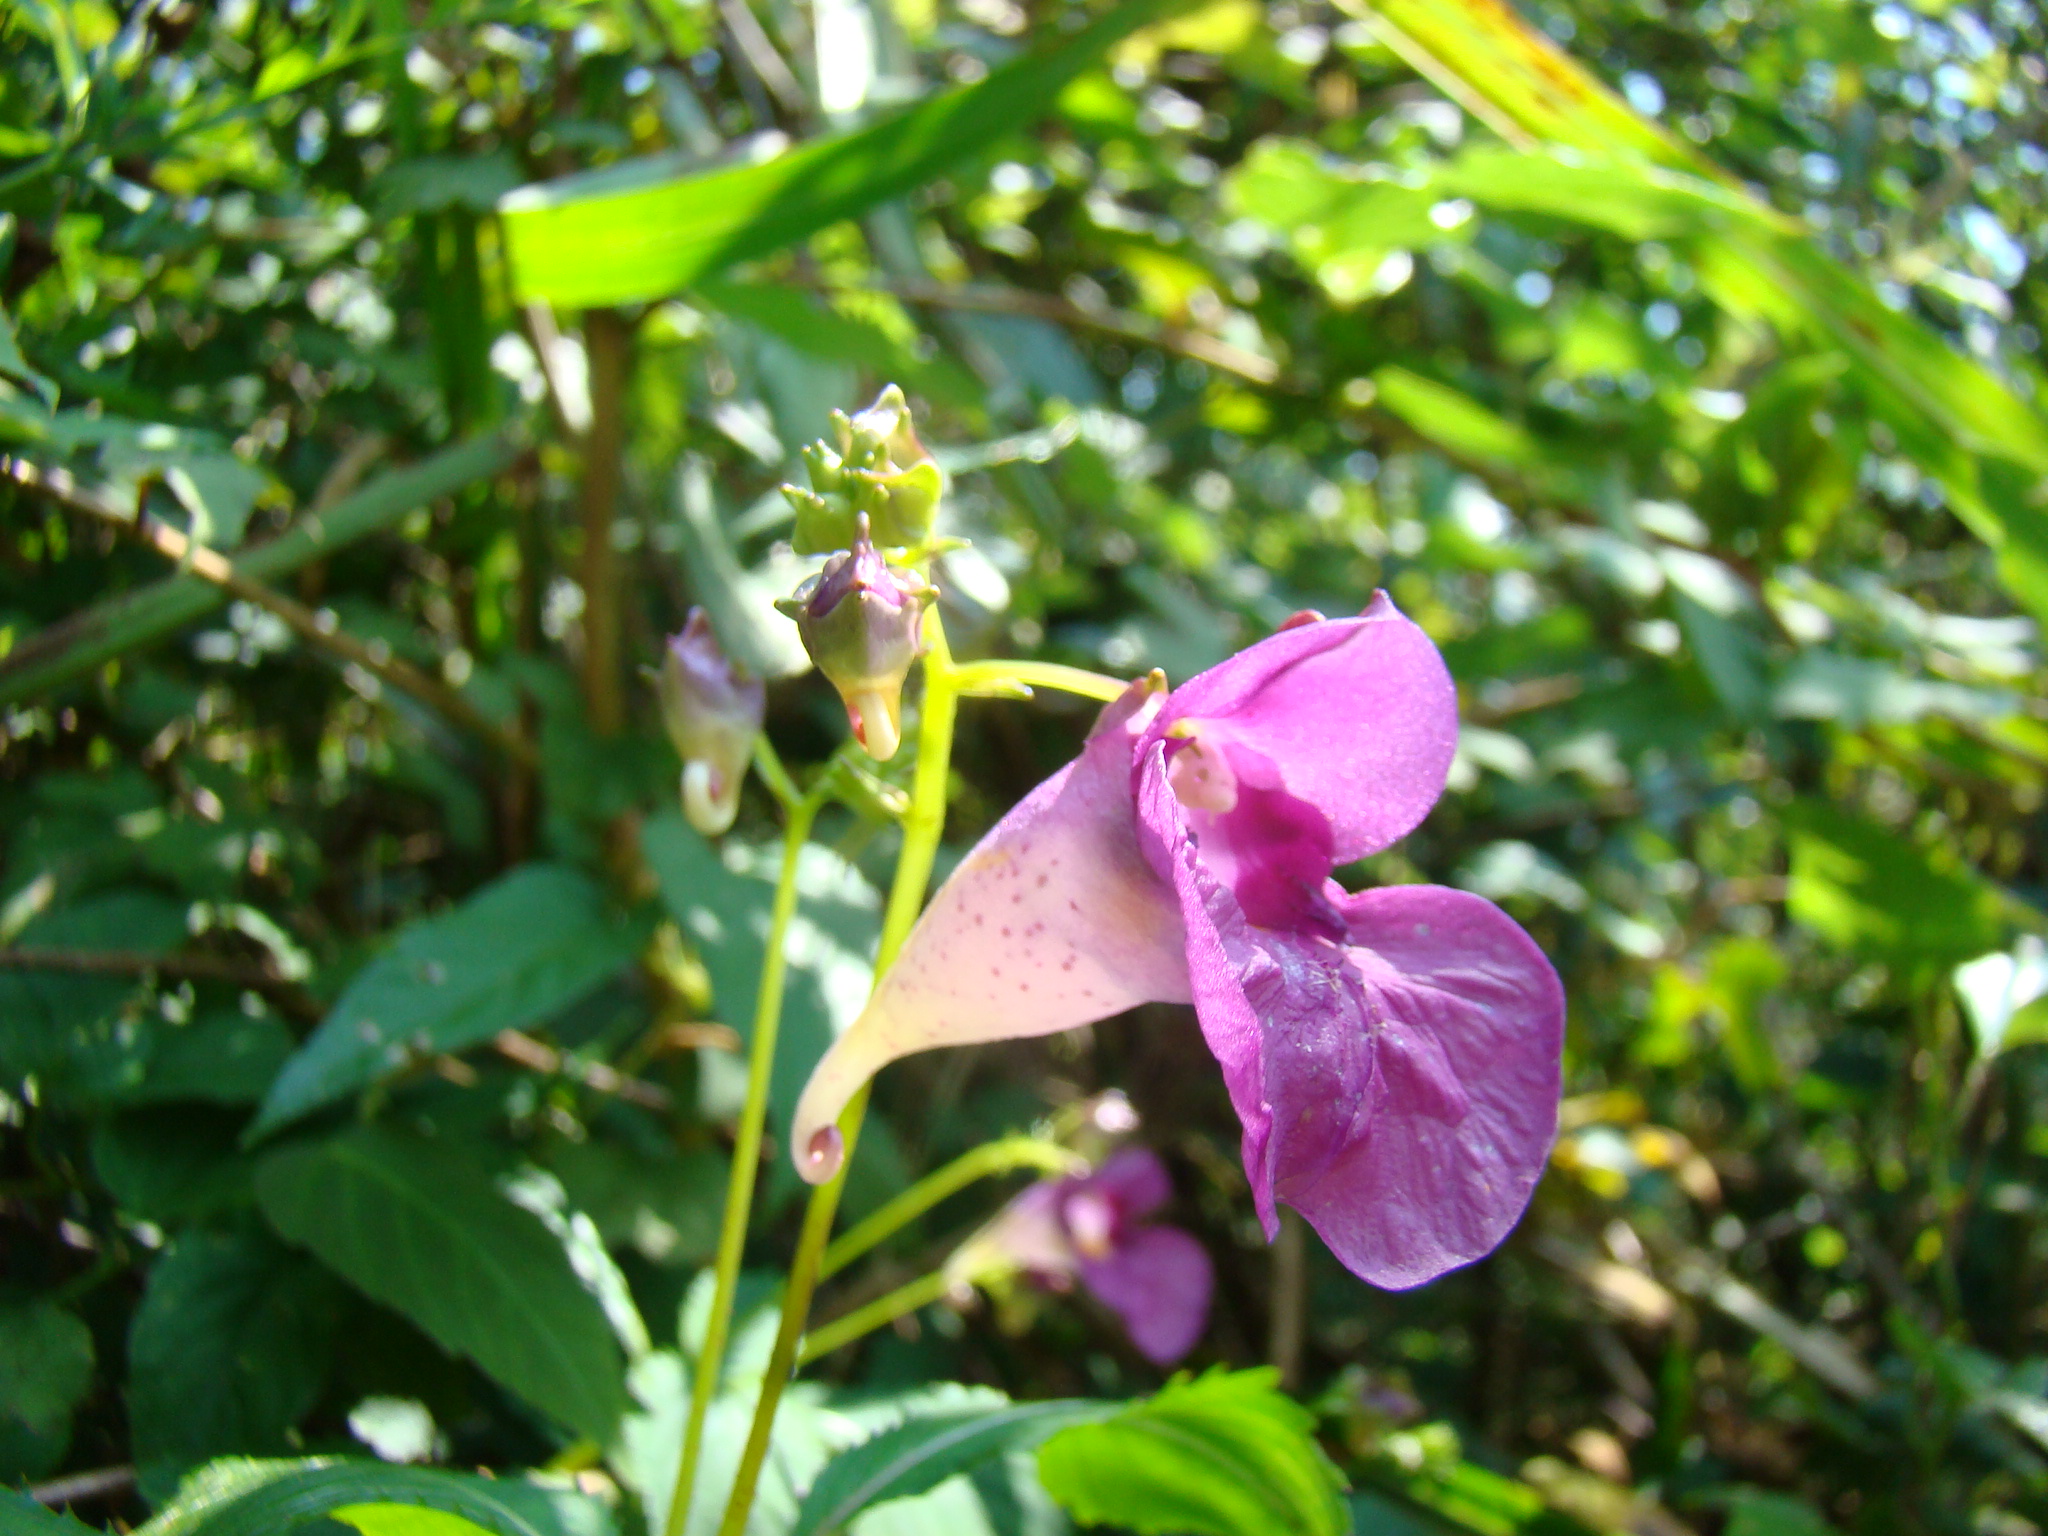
(879, 469)
(712, 707)
(860, 618)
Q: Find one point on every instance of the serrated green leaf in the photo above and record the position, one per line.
(46, 1359)
(514, 954)
(660, 236)
(227, 1352)
(263, 1498)
(918, 1455)
(21, 1515)
(419, 1227)
(403, 1520)
(1227, 1454)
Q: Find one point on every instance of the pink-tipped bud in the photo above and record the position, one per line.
(861, 620)
(713, 708)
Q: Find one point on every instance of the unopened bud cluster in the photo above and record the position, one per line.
(861, 618)
(878, 468)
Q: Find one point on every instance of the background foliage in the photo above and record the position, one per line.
(366, 1010)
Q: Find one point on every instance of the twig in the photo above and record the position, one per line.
(759, 50)
(62, 487)
(1123, 325)
(608, 341)
(290, 998)
(83, 1487)
(538, 1056)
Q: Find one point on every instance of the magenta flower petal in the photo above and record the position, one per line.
(1055, 919)
(1359, 715)
(1158, 1281)
(1467, 1018)
(1135, 1180)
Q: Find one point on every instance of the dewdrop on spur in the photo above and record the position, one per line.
(860, 619)
(712, 708)
(878, 470)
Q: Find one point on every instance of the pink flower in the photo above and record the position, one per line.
(1393, 1056)
(1091, 1227)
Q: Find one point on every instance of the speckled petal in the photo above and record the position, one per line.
(1053, 920)
(1158, 1281)
(1359, 715)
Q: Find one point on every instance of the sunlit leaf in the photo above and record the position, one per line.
(421, 1228)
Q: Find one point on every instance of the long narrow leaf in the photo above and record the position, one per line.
(576, 244)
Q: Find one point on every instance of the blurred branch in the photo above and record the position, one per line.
(76, 645)
(289, 997)
(83, 1487)
(517, 1046)
(608, 341)
(1141, 330)
(318, 630)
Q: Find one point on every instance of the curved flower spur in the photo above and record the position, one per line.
(1393, 1055)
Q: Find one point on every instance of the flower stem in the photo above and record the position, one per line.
(746, 1150)
(982, 1162)
(976, 676)
(878, 1313)
(921, 831)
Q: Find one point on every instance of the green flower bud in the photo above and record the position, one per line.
(860, 618)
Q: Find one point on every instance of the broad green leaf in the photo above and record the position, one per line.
(66, 1029)
(664, 233)
(1226, 1454)
(45, 1370)
(720, 896)
(514, 954)
(227, 1352)
(419, 1227)
(921, 1453)
(403, 1520)
(265, 1498)
(21, 1515)
(1863, 886)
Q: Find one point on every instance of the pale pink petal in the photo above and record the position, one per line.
(1055, 919)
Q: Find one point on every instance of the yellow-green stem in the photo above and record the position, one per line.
(921, 830)
(746, 1153)
(878, 1313)
(974, 676)
(982, 1162)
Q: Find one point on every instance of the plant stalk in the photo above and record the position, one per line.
(879, 1313)
(746, 1155)
(921, 831)
(982, 1162)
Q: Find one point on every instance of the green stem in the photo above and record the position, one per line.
(746, 1150)
(768, 764)
(878, 1313)
(921, 831)
(978, 676)
(982, 1162)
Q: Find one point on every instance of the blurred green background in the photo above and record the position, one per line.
(380, 381)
